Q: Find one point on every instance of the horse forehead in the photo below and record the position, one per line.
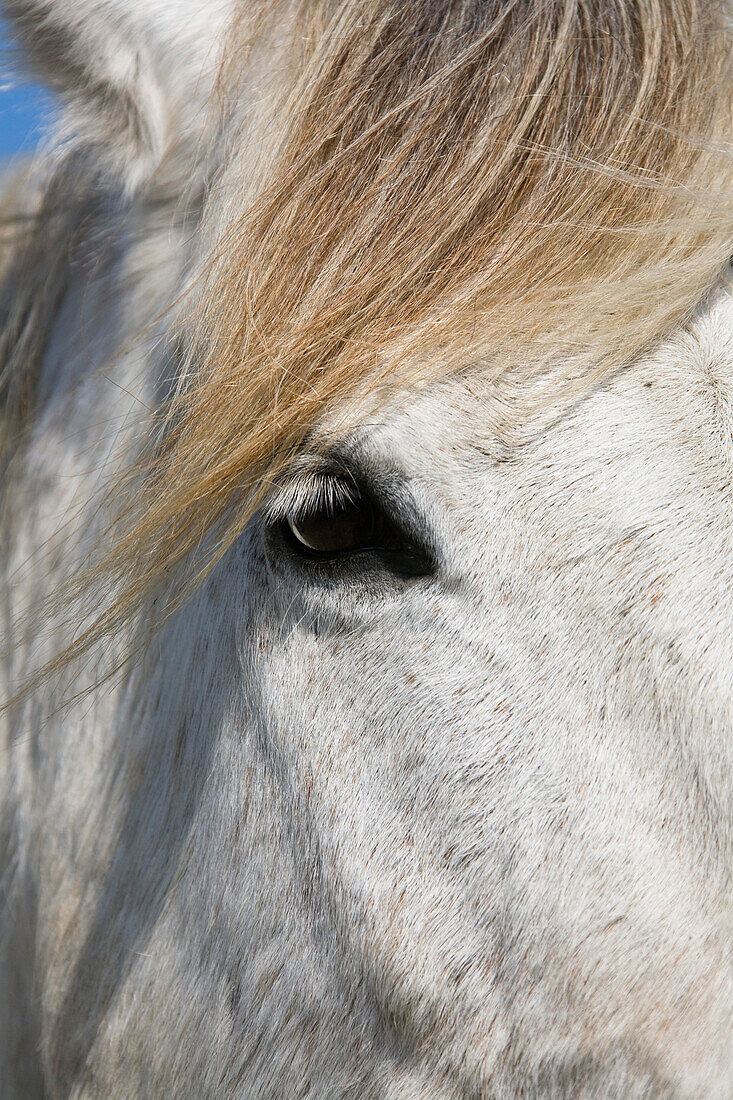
(669, 415)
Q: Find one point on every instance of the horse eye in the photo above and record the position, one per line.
(340, 528)
(334, 528)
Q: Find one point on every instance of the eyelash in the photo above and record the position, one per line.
(304, 494)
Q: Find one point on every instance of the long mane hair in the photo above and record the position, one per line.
(432, 185)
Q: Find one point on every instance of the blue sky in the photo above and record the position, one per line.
(24, 108)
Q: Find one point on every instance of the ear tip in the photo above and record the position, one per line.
(123, 70)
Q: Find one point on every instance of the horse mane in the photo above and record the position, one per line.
(44, 223)
(433, 185)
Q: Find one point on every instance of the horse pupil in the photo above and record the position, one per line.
(331, 531)
(338, 530)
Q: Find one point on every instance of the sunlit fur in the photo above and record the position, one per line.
(462, 836)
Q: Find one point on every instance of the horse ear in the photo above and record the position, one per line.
(132, 75)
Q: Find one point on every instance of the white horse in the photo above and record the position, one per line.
(367, 554)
